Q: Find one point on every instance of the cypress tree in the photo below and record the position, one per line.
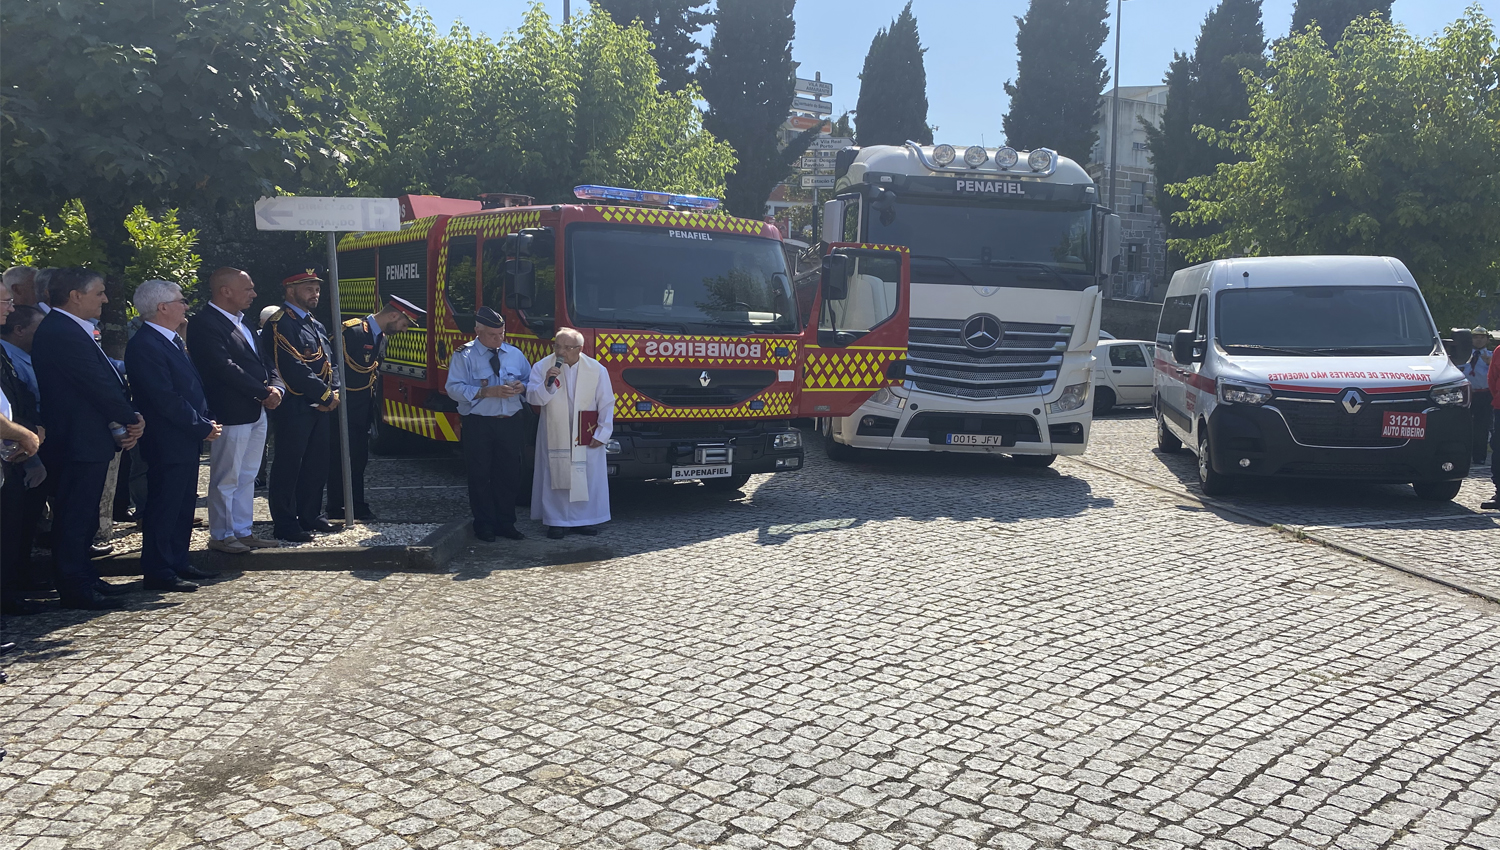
(892, 103)
(1059, 75)
(1334, 16)
(748, 79)
(673, 25)
(1205, 89)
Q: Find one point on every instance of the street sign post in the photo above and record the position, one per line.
(812, 181)
(831, 143)
(291, 212)
(816, 107)
(816, 88)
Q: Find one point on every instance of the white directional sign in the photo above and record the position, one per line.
(816, 88)
(831, 143)
(816, 107)
(291, 212)
(811, 182)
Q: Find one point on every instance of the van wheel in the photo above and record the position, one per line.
(726, 485)
(1035, 461)
(1437, 491)
(1213, 483)
(1166, 441)
(1104, 401)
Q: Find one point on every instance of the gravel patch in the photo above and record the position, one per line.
(128, 538)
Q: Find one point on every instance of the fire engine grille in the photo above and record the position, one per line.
(1025, 361)
(1321, 423)
(687, 387)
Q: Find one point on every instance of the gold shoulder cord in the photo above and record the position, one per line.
(282, 342)
(362, 370)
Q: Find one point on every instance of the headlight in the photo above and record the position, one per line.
(1242, 393)
(1006, 157)
(1451, 395)
(1073, 397)
(612, 447)
(1039, 160)
(943, 154)
(976, 156)
(789, 440)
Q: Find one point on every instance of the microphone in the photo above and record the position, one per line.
(552, 382)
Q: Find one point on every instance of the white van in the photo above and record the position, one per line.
(1309, 367)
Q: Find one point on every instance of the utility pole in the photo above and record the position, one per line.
(567, 15)
(1114, 113)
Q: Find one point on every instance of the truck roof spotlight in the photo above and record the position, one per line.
(1006, 157)
(944, 154)
(1039, 160)
(641, 196)
(976, 156)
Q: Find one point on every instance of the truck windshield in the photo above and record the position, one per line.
(981, 243)
(686, 281)
(1314, 321)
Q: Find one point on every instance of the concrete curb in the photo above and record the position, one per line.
(432, 553)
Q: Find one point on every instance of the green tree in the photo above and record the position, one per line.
(1059, 74)
(1334, 16)
(1383, 144)
(163, 251)
(1205, 89)
(673, 25)
(748, 79)
(71, 243)
(537, 112)
(892, 106)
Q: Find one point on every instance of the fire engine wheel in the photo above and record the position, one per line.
(1437, 491)
(1213, 483)
(1104, 400)
(726, 485)
(1166, 441)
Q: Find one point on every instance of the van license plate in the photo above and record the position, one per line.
(686, 473)
(976, 440)
(1404, 426)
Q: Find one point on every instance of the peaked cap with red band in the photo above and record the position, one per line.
(406, 308)
(308, 276)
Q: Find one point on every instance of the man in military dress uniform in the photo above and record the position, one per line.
(364, 348)
(295, 346)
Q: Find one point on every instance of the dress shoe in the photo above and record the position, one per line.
(99, 550)
(587, 530)
(229, 545)
(364, 513)
(260, 483)
(510, 532)
(1493, 504)
(91, 602)
(191, 571)
(322, 526)
(20, 607)
(104, 588)
(257, 543)
(556, 532)
(334, 513)
(297, 536)
(484, 533)
(125, 516)
(199, 522)
(171, 585)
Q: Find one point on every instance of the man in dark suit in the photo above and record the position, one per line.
(240, 391)
(364, 347)
(168, 391)
(21, 499)
(295, 346)
(88, 416)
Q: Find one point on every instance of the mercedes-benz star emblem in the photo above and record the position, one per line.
(1353, 400)
(703, 378)
(982, 332)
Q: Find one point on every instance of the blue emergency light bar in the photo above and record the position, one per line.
(641, 196)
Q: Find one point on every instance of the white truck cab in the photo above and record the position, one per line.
(1309, 367)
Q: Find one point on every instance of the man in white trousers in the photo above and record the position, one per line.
(572, 393)
(240, 390)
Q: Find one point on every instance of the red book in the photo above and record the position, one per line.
(588, 423)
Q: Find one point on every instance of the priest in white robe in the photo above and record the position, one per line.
(572, 393)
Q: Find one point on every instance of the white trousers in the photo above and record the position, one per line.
(233, 461)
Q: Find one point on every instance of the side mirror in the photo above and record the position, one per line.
(519, 244)
(1182, 346)
(1110, 243)
(522, 275)
(835, 277)
(833, 221)
(885, 205)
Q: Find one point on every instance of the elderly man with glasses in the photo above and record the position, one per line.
(487, 378)
(570, 491)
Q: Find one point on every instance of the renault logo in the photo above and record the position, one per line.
(703, 379)
(982, 332)
(1354, 400)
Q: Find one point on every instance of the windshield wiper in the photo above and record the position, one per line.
(1278, 349)
(643, 325)
(947, 261)
(1371, 350)
(1029, 265)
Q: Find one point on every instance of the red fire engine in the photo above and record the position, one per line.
(711, 349)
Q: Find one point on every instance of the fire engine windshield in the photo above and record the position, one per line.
(981, 243)
(687, 281)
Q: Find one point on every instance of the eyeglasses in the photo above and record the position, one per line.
(8, 301)
(570, 348)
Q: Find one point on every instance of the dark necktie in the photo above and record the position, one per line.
(495, 361)
(181, 346)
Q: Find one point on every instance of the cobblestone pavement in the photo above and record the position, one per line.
(1454, 540)
(902, 652)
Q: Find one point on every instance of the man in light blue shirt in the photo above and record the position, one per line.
(15, 337)
(488, 380)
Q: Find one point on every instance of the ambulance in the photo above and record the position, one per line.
(1309, 367)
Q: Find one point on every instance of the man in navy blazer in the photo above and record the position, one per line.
(88, 416)
(169, 392)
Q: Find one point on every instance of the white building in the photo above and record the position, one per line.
(1144, 264)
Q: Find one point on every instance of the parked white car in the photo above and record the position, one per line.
(1122, 373)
